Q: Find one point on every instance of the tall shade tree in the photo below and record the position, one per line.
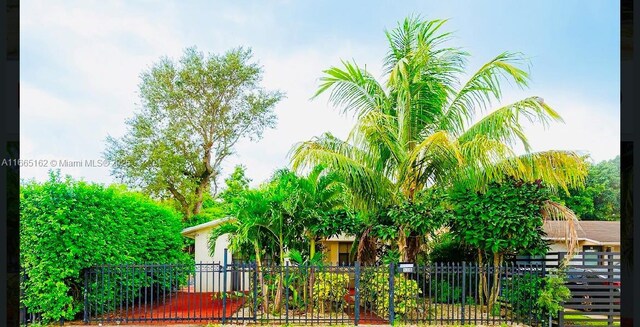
(191, 115)
(415, 129)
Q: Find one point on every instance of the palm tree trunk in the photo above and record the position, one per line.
(278, 299)
(263, 287)
(402, 244)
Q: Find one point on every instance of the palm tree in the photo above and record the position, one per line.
(415, 130)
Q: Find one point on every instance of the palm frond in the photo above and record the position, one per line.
(504, 124)
(557, 169)
(353, 89)
(353, 165)
(375, 132)
(555, 211)
(430, 161)
(483, 86)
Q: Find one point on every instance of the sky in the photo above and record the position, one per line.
(81, 61)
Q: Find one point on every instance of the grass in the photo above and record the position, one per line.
(584, 320)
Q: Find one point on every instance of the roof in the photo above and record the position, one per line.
(604, 232)
(191, 231)
(341, 238)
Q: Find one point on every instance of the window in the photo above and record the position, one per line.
(344, 254)
(591, 259)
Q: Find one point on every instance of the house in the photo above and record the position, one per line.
(208, 273)
(592, 236)
(337, 250)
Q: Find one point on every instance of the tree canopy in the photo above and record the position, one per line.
(600, 198)
(192, 113)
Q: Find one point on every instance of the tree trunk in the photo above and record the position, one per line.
(278, 299)
(495, 288)
(184, 205)
(402, 244)
(482, 285)
(413, 247)
(200, 189)
(263, 287)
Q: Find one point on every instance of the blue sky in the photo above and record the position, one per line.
(80, 62)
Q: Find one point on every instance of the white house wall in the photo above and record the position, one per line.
(208, 277)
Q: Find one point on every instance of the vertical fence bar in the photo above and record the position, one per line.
(85, 318)
(464, 290)
(561, 265)
(255, 292)
(286, 290)
(391, 291)
(356, 304)
(224, 287)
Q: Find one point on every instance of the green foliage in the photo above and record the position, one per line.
(330, 288)
(600, 197)
(193, 111)
(375, 291)
(288, 211)
(414, 129)
(530, 294)
(444, 292)
(68, 226)
(522, 292)
(505, 219)
(447, 248)
(553, 294)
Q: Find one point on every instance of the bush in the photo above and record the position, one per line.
(445, 293)
(535, 295)
(522, 293)
(447, 248)
(68, 226)
(330, 288)
(375, 291)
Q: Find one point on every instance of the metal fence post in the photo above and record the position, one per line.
(286, 296)
(391, 280)
(224, 287)
(356, 304)
(464, 288)
(255, 291)
(561, 266)
(86, 296)
(610, 276)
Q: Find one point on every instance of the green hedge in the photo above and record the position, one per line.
(67, 226)
(375, 291)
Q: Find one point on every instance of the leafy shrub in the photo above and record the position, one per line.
(375, 291)
(443, 292)
(532, 294)
(553, 294)
(330, 288)
(68, 226)
(522, 293)
(446, 248)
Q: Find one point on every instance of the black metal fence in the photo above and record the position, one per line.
(438, 293)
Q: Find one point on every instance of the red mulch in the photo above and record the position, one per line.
(182, 307)
(366, 317)
(190, 307)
